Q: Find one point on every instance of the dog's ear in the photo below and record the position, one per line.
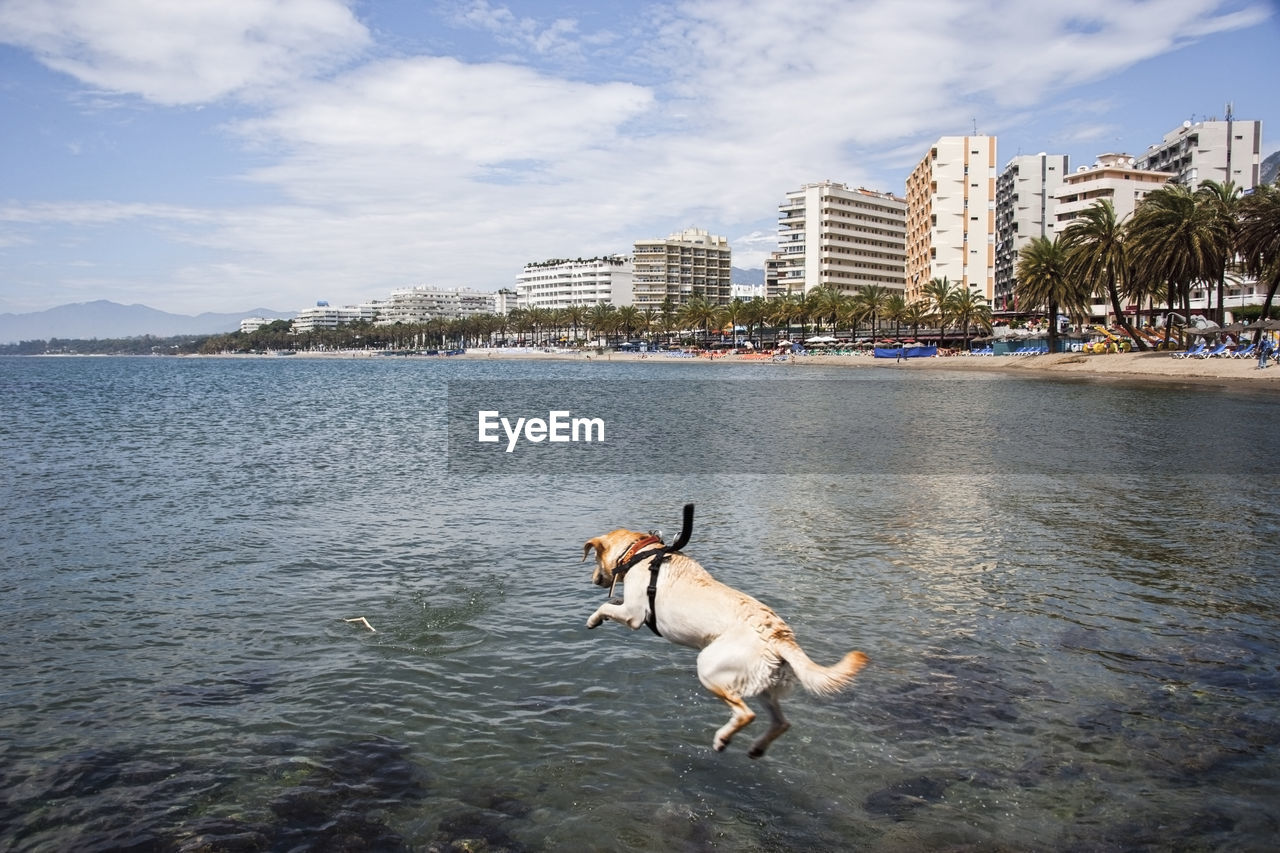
(597, 543)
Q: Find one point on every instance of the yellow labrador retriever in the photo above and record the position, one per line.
(746, 648)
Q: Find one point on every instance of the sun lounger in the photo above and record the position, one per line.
(1216, 351)
(1194, 352)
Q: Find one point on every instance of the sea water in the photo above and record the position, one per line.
(1068, 592)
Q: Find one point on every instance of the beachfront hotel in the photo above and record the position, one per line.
(1210, 150)
(951, 216)
(832, 236)
(690, 263)
(563, 283)
(1025, 207)
(420, 304)
(322, 315)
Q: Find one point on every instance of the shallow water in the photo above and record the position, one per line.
(1077, 651)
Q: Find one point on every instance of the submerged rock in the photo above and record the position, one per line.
(898, 800)
(474, 832)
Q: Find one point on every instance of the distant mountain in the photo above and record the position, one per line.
(740, 276)
(1270, 168)
(103, 319)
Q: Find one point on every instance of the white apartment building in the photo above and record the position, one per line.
(561, 283)
(686, 264)
(326, 316)
(420, 304)
(773, 266)
(504, 300)
(1114, 177)
(1025, 205)
(1209, 151)
(832, 236)
(951, 216)
(252, 324)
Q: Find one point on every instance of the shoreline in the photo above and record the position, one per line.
(1160, 367)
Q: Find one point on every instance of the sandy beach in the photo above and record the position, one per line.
(1154, 366)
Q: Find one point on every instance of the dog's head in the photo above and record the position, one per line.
(611, 548)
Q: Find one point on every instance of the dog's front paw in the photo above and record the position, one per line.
(594, 620)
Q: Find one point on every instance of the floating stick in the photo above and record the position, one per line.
(363, 621)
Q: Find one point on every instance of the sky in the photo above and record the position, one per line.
(222, 155)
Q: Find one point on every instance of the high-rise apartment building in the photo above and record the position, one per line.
(832, 236)
(563, 283)
(1209, 151)
(1024, 210)
(1114, 177)
(951, 216)
(686, 264)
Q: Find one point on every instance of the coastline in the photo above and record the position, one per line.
(1159, 367)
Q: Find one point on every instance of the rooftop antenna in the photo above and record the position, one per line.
(975, 125)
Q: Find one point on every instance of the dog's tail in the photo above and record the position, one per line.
(819, 679)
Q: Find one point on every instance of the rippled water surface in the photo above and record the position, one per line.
(1075, 652)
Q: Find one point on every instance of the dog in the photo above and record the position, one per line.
(746, 649)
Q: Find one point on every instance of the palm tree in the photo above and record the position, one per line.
(852, 312)
(1044, 280)
(970, 308)
(755, 315)
(733, 314)
(916, 314)
(542, 319)
(600, 319)
(872, 299)
(1259, 240)
(698, 312)
(825, 302)
(575, 316)
(667, 311)
(628, 320)
(1222, 203)
(939, 296)
(787, 309)
(895, 309)
(1098, 258)
(647, 322)
(1174, 239)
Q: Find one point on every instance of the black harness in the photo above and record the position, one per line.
(657, 558)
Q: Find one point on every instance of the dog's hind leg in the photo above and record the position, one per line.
(779, 724)
(742, 717)
(720, 665)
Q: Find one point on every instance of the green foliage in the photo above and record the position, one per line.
(141, 345)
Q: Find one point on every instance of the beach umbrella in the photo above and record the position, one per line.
(1233, 328)
(1267, 324)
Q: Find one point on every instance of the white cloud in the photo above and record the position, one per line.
(444, 108)
(187, 52)
(560, 38)
(826, 71)
(94, 213)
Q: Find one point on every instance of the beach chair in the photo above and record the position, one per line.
(1245, 352)
(1216, 351)
(1193, 352)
